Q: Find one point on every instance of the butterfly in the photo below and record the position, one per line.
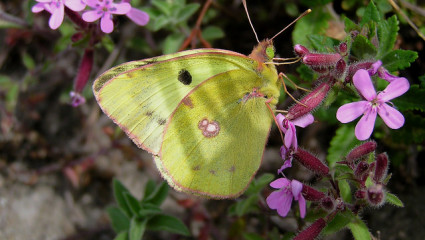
(204, 114)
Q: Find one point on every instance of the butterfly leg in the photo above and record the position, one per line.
(281, 76)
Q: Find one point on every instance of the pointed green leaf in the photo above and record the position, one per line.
(132, 203)
(350, 25)
(314, 23)
(345, 190)
(122, 236)
(362, 48)
(212, 33)
(119, 221)
(398, 59)
(387, 34)
(163, 6)
(393, 199)
(259, 183)
(158, 195)
(149, 209)
(172, 43)
(187, 11)
(149, 188)
(359, 230)
(246, 205)
(119, 191)
(137, 228)
(370, 14)
(413, 99)
(338, 222)
(343, 141)
(322, 43)
(169, 224)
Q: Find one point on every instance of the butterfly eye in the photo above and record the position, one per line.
(270, 52)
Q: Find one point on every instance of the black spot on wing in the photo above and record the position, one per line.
(185, 77)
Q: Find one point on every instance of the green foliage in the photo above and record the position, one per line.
(359, 229)
(133, 217)
(343, 141)
(341, 220)
(398, 59)
(393, 199)
(314, 23)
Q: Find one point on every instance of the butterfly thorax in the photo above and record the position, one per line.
(263, 55)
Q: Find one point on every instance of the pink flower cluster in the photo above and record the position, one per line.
(99, 9)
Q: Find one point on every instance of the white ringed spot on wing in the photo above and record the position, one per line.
(209, 128)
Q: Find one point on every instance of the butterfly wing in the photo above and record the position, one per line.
(214, 141)
(140, 96)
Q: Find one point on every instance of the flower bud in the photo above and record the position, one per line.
(311, 162)
(300, 50)
(312, 231)
(375, 195)
(340, 67)
(328, 204)
(360, 194)
(82, 78)
(361, 151)
(311, 194)
(353, 68)
(311, 100)
(321, 59)
(342, 48)
(381, 167)
(361, 169)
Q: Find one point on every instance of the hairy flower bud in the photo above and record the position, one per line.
(328, 203)
(342, 48)
(376, 195)
(381, 167)
(300, 50)
(360, 194)
(310, 101)
(321, 59)
(311, 162)
(361, 170)
(311, 194)
(353, 68)
(361, 151)
(312, 231)
(339, 70)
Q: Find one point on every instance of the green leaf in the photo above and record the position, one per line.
(149, 189)
(212, 32)
(163, 6)
(252, 236)
(119, 192)
(122, 236)
(132, 203)
(169, 224)
(259, 183)
(246, 205)
(187, 11)
(28, 61)
(149, 209)
(413, 130)
(314, 23)
(350, 25)
(359, 230)
(387, 34)
(159, 23)
(362, 48)
(393, 199)
(370, 14)
(339, 222)
(322, 43)
(157, 196)
(414, 99)
(137, 228)
(119, 221)
(398, 59)
(341, 143)
(345, 190)
(172, 43)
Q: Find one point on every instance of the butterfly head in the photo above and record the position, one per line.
(263, 52)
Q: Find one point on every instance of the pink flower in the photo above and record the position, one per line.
(281, 199)
(290, 144)
(372, 105)
(104, 9)
(57, 9)
(137, 16)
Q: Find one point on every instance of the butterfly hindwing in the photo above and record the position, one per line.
(140, 96)
(214, 141)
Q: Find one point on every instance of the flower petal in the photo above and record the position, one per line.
(37, 8)
(374, 68)
(296, 188)
(364, 127)
(57, 18)
(395, 89)
(274, 199)
(75, 5)
(280, 118)
(280, 183)
(285, 205)
(106, 23)
(350, 111)
(137, 16)
(392, 118)
(119, 8)
(302, 205)
(291, 137)
(91, 16)
(363, 83)
(304, 121)
(95, 3)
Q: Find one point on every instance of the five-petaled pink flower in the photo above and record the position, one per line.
(290, 144)
(373, 104)
(281, 199)
(57, 9)
(104, 9)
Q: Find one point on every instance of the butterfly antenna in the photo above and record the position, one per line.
(298, 18)
(249, 19)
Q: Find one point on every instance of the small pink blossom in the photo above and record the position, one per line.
(137, 16)
(372, 105)
(104, 9)
(57, 9)
(281, 199)
(290, 144)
